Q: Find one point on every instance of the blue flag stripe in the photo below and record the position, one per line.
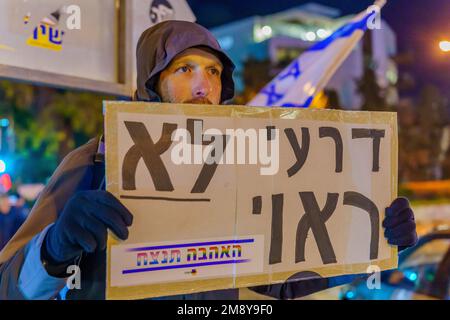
(343, 32)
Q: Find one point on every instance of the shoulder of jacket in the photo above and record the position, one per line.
(83, 154)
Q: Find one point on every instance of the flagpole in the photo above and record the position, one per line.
(337, 63)
(380, 3)
(340, 58)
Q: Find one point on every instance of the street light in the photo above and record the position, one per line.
(444, 46)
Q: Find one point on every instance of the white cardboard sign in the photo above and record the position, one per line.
(307, 196)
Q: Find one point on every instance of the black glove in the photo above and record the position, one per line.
(83, 224)
(399, 224)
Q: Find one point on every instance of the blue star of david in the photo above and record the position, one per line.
(294, 71)
(306, 104)
(272, 95)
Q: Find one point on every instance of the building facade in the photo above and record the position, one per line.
(281, 37)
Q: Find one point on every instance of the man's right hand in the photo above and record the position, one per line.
(83, 224)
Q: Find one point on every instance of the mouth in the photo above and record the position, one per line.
(201, 100)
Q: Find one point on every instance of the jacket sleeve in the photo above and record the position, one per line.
(24, 276)
(292, 290)
(301, 288)
(9, 275)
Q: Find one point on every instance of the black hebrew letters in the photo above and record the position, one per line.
(376, 136)
(315, 219)
(151, 154)
(336, 136)
(301, 153)
(358, 200)
(195, 128)
(144, 148)
(276, 243)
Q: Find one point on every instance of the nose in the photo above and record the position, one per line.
(201, 87)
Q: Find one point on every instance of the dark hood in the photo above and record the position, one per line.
(159, 44)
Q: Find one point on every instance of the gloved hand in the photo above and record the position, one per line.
(83, 224)
(399, 224)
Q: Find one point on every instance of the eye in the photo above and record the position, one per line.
(182, 69)
(214, 71)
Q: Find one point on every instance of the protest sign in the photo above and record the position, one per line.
(235, 196)
(47, 41)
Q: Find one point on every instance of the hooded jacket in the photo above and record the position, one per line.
(80, 171)
(157, 47)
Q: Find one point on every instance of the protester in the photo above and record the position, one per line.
(177, 62)
(11, 218)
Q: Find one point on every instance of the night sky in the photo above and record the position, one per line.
(418, 24)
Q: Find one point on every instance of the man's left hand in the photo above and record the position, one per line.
(399, 224)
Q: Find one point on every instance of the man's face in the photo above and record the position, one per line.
(193, 76)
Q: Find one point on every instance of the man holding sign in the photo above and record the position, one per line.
(177, 62)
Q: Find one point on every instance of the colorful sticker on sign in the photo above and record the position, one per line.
(165, 262)
(46, 35)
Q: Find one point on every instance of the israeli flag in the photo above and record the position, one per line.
(306, 76)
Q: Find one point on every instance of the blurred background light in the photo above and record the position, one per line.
(444, 46)
(266, 31)
(350, 295)
(310, 36)
(411, 276)
(4, 122)
(2, 166)
(322, 33)
(5, 182)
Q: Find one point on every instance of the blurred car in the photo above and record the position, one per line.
(423, 273)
